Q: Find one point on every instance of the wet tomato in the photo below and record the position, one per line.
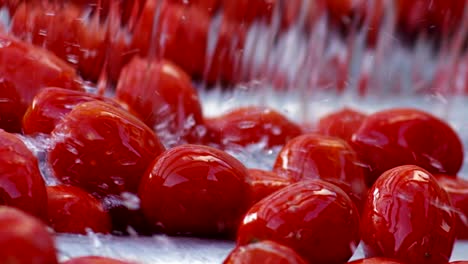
(95, 260)
(397, 137)
(24, 239)
(314, 156)
(163, 97)
(264, 252)
(72, 210)
(343, 123)
(408, 217)
(313, 217)
(102, 149)
(21, 183)
(252, 125)
(376, 261)
(263, 183)
(195, 190)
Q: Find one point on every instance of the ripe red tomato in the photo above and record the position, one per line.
(246, 11)
(408, 217)
(102, 149)
(252, 125)
(313, 217)
(95, 260)
(343, 123)
(163, 97)
(263, 183)
(264, 252)
(24, 239)
(21, 183)
(457, 189)
(315, 156)
(195, 190)
(376, 261)
(72, 210)
(397, 137)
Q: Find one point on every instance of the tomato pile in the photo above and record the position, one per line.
(110, 86)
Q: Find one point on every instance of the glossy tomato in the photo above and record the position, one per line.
(24, 239)
(376, 261)
(195, 190)
(95, 260)
(408, 217)
(264, 252)
(343, 123)
(263, 183)
(313, 217)
(397, 137)
(102, 149)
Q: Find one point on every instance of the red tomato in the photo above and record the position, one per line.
(263, 183)
(313, 217)
(376, 261)
(21, 183)
(246, 11)
(18, 86)
(209, 6)
(95, 260)
(195, 190)
(252, 125)
(397, 137)
(458, 191)
(72, 210)
(24, 239)
(315, 156)
(341, 123)
(163, 97)
(102, 149)
(407, 217)
(50, 105)
(264, 252)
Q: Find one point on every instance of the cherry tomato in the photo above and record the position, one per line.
(95, 260)
(102, 149)
(263, 183)
(264, 252)
(21, 183)
(252, 125)
(315, 156)
(195, 190)
(24, 239)
(407, 217)
(397, 137)
(313, 217)
(457, 189)
(343, 123)
(163, 97)
(72, 210)
(376, 261)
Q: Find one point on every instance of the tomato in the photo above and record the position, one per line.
(209, 6)
(72, 210)
(245, 11)
(102, 149)
(313, 217)
(407, 217)
(314, 156)
(376, 261)
(399, 136)
(21, 183)
(457, 189)
(252, 125)
(24, 239)
(95, 260)
(263, 183)
(195, 190)
(163, 97)
(263, 252)
(342, 123)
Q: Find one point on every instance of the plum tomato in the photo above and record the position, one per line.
(162, 96)
(457, 189)
(343, 123)
(263, 183)
(95, 260)
(72, 210)
(195, 190)
(315, 156)
(376, 261)
(102, 149)
(21, 183)
(18, 86)
(408, 217)
(313, 217)
(252, 125)
(402, 136)
(24, 239)
(264, 252)
(50, 105)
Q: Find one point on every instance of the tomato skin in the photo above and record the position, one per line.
(264, 252)
(24, 239)
(342, 124)
(95, 260)
(376, 261)
(163, 97)
(195, 190)
(401, 136)
(263, 183)
(400, 200)
(72, 210)
(102, 149)
(313, 217)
